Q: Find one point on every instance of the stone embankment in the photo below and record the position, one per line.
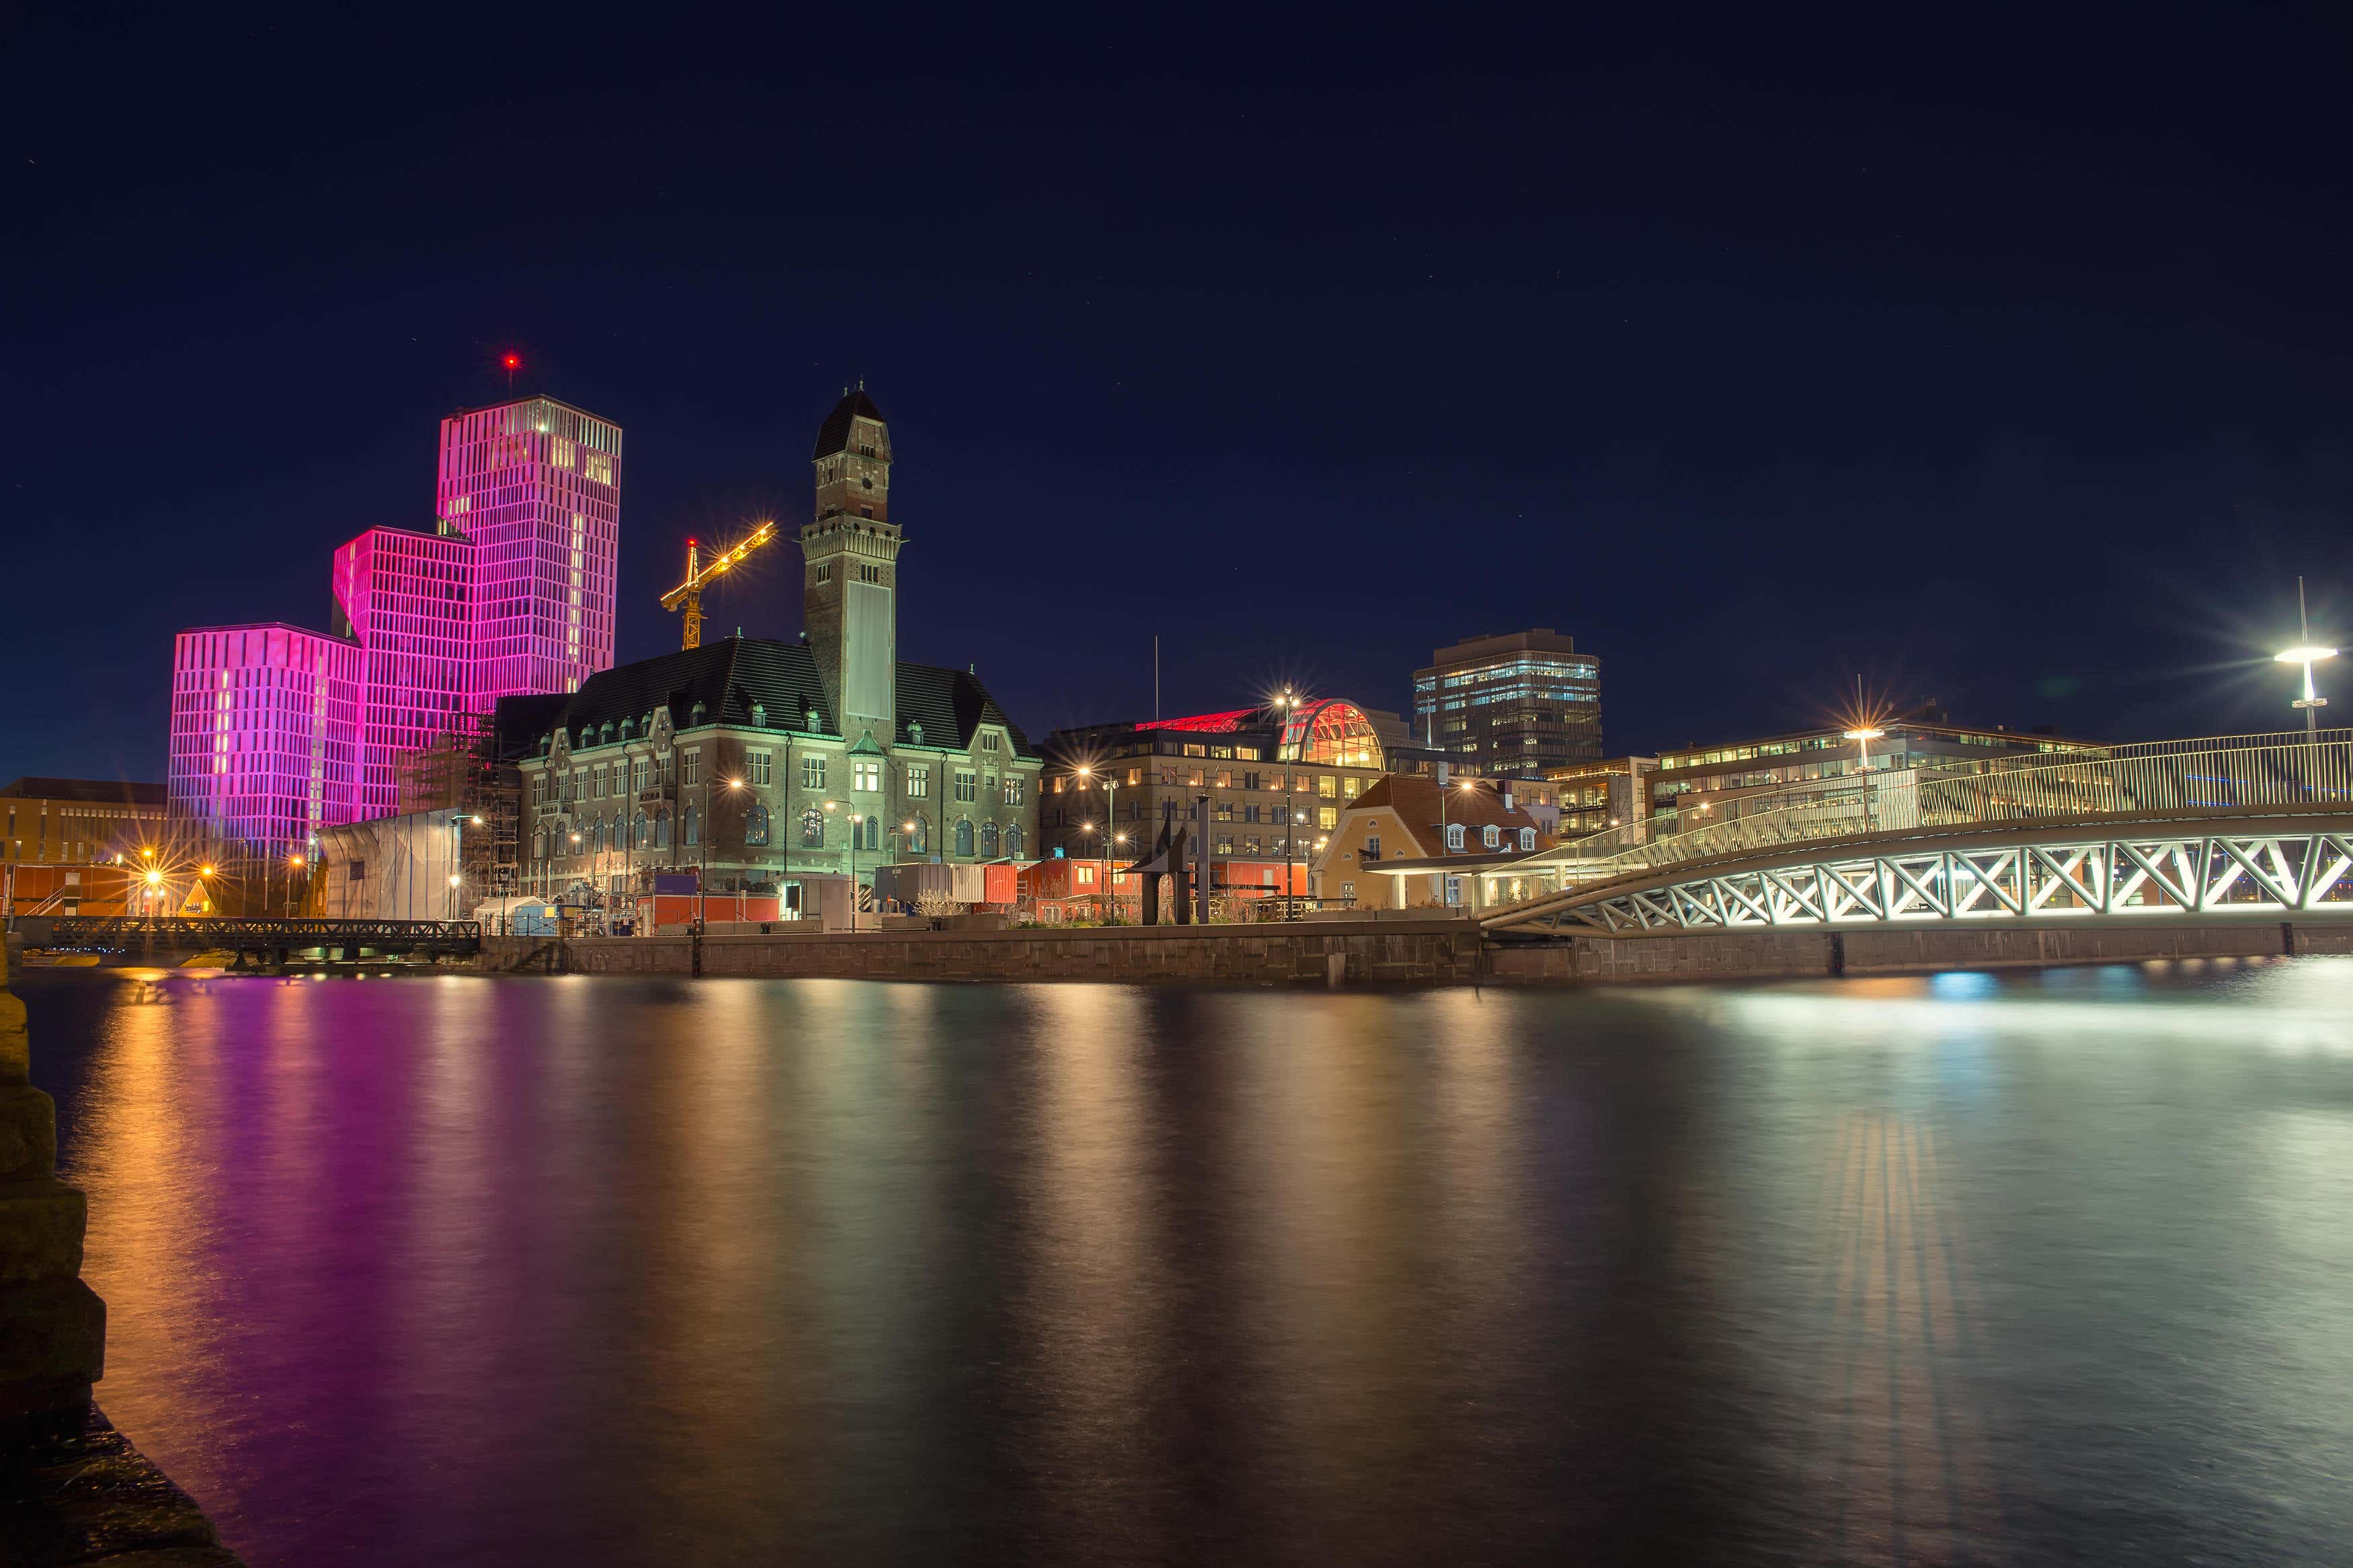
(72, 1488)
(1392, 950)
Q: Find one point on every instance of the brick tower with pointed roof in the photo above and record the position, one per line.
(850, 581)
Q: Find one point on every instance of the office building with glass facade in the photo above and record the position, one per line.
(1515, 706)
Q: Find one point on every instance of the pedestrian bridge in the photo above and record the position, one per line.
(259, 941)
(2237, 827)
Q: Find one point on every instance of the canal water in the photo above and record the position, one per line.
(2049, 1266)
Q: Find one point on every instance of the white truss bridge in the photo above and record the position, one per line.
(2247, 828)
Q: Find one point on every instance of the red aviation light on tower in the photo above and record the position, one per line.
(513, 361)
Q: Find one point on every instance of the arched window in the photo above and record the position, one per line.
(1454, 835)
(661, 831)
(919, 837)
(1527, 838)
(597, 836)
(539, 844)
(988, 841)
(1491, 835)
(644, 830)
(964, 838)
(755, 824)
(1013, 838)
(693, 826)
(872, 829)
(812, 829)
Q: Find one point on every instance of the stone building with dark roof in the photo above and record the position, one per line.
(765, 762)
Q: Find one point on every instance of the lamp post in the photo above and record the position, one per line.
(1862, 735)
(2305, 653)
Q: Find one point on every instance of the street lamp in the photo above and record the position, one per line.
(2307, 654)
(1862, 735)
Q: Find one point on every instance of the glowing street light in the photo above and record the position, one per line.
(2307, 653)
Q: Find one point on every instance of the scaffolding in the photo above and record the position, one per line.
(462, 774)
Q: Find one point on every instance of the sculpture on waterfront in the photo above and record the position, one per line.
(1167, 860)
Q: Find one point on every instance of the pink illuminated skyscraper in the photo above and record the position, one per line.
(408, 600)
(263, 750)
(535, 485)
(513, 593)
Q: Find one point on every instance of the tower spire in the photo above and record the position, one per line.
(850, 579)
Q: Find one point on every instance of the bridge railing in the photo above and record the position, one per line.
(2222, 771)
(239, 932)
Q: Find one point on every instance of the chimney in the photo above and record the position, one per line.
(1507, 800)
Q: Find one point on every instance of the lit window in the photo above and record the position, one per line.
(919, 780)
(1454, 835)
(812, 773)
(866, 775)
(1491, 835)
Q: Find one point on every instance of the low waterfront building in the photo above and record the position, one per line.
(1275, 778)
(1515, 706)
(1707, 780)
(82, 846)
(1408, 842)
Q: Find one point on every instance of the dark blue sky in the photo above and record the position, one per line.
(2009, 367)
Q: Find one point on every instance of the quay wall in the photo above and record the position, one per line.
(1415, 951)
(1421, 952)
(1879, 950)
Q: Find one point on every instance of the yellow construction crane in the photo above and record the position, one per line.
(689, 594)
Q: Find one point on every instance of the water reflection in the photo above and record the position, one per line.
(1986, 1266)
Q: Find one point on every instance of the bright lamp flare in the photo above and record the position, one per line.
(2303, 656)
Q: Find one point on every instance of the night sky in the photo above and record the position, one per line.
(2007, 366)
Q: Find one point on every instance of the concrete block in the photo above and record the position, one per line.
(52, 1334)
(28, 1132)
(42, 1223)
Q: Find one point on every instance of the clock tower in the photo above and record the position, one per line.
(849, 574)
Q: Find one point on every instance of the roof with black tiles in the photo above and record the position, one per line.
(730, 677)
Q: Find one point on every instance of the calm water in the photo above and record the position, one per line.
(2035, 1269)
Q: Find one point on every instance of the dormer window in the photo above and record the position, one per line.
(1454, 835)
(759, 715)
(1491, 835)
(915, 732)
(1527, 838)
(695, 717)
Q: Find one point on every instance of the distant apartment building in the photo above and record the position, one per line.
(1594, 796)
(511, 593)
(1515, 706)
(264, 748)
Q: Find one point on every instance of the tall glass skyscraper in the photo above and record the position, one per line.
(1513, 706)
(264, 726)
(513, 593)
(536, 486)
